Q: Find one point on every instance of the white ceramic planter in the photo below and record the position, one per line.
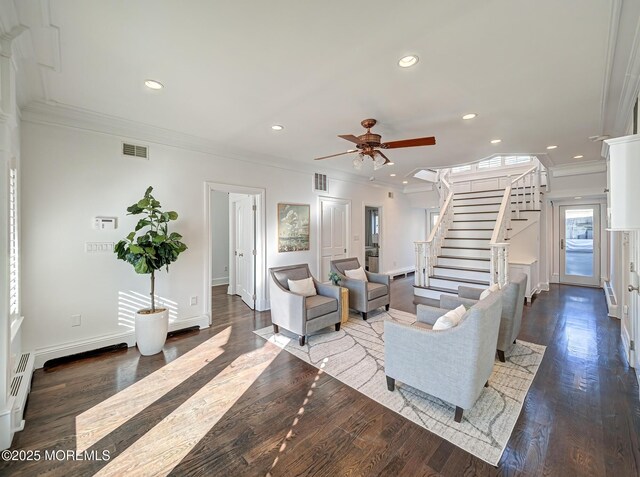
(151, 331)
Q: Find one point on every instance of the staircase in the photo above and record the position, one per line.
(469, 244)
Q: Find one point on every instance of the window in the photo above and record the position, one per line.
(457, 169)
(513, 160)
(488, 163)
(14, 277)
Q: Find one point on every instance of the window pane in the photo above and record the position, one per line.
(460, 169)
(513, 160)
(579, 242)
(493, 162)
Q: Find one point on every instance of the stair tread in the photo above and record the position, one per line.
(492, 190)
(467, 238)
(468, 230)
(482, 212)
(527, 210)
(466, 248)
(478, 205)
(464, 269)
(521, 220)
(462, 280)
(464, 258)
(445, 290)
(481, 220)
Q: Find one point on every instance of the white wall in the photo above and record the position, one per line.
(220, 233)
(72, 175)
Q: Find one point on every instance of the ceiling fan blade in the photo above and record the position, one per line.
(333, 155)
(421, 141)
(386, 159)
(350, 137)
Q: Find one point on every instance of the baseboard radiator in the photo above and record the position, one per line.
(18, 394)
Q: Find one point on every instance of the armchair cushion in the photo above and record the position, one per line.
(319, 305)
(290, 273)
(304, 287)
(376, 290)
(356, 274)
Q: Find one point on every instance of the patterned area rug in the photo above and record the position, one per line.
(355, 356)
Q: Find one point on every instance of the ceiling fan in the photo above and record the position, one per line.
(368, 143)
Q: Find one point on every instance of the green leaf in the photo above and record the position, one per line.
(143, 203)
(142, 223)
(147, 193)
(130, 236)
(172, 215)
(141, 266)
(136, 249)
(159, 238)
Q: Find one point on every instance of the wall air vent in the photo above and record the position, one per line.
(133, 150)
(320, 183)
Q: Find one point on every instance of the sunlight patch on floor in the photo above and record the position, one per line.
(97, 422)
(163, 447)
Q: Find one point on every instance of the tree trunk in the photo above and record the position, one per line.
(153, 291)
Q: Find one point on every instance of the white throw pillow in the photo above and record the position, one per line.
(450, 319)
(489, 291)
(357, 274)
(304, 287)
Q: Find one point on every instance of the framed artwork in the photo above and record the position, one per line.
(293, 227)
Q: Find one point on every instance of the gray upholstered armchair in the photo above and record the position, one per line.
(512, 304)
(452, 364)
(363, 296)
(299, 314)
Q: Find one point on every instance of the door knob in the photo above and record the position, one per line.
(631, 288)
(241, 255)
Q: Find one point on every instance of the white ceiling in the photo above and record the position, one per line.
(533, 71)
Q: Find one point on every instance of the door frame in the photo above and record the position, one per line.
(338, 200)
(380, 233)
(261, 246)
(594, 281)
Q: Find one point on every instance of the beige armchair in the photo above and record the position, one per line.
(299, 314)
(363, 296)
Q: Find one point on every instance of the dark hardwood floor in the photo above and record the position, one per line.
(581, 416)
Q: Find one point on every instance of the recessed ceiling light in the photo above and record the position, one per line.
(469, 116)
(552, 147)
(405, 182)
(390, 163)
(496, 141)
(407, 61)
(153, 84)
(579, 197)
(578, 157)
(392, 175)
(277, 127)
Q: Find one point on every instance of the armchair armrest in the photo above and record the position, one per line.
(357, 293)
(450, 302)
(469, 292)
(287, 308)
(378, 278)
(326, 289)
(428, 314)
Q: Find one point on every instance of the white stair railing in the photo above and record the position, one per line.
(527, 184)
(427, 251)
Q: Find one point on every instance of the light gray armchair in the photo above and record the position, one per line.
(453, 364)
(512, 305)
(363, 296)
(299, 314)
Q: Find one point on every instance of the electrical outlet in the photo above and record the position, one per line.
(226, 269)
(194, 300)
(76, 320)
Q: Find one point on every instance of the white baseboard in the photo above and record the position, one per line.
(555, 278)
(543, 286)
(6, 429)
(74, 347)
(219, 281)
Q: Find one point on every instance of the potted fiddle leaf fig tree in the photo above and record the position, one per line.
(149, 248)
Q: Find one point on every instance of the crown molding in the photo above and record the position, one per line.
(57, 114)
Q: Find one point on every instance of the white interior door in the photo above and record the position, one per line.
(244, 253)
(580, 244)
(333, 234)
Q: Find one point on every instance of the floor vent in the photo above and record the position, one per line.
(134, 150)
(52, 363)
(320, 183)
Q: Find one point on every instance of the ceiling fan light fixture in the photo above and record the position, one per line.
(470, 116)
(153, 84)
(357, 162)
(407, 61)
